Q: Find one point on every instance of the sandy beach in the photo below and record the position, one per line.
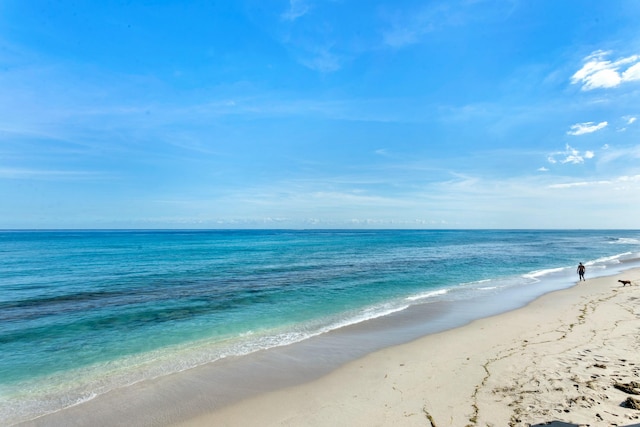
(571, 358)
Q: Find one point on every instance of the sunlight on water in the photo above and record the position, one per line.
(82, 313)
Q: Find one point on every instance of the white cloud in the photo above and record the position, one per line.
(601, 73)
(588, 127)
(621, 180)
(570, 155)
(543, 169)
(570, 185)
(631, 178)
(628, 120)
(632, 73)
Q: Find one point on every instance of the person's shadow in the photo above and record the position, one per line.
(563, 424)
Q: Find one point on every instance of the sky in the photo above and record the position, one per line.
(319, 114)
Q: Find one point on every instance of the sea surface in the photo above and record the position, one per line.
(86, 312)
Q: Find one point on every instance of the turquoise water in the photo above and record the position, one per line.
(85, 312)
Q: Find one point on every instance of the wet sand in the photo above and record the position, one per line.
(558, 358)
(566, 357)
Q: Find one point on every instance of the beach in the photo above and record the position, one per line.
(317, 328)
(558, 359)
(312, 213)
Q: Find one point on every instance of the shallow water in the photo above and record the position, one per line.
(86, 312)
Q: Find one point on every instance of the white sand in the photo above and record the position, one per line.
(555, 360)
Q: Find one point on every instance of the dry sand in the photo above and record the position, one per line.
(556, 360)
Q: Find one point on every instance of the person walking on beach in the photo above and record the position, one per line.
(581, 270)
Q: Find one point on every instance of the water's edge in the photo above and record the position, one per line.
(179, 396)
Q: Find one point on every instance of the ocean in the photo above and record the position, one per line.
(83, 313)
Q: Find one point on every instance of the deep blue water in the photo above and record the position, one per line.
(84, 312)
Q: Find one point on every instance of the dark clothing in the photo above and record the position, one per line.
(581, 270)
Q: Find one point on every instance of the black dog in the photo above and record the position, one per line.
(625, 282)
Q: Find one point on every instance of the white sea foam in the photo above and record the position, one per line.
(427, 295)
(39, 396)
(615, 259)
(71, 388)
(309, 330)
(625, 241)
(476, 282)
(535, 275)
(367, 314)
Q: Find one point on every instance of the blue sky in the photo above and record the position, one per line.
(320, 114)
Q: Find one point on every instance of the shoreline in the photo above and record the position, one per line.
(556, 359)
(289, 392)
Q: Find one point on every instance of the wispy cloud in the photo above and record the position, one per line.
(572, 184)
(321, 59)
(570, 155)
(627, 154)
(584, 128)
(412, 26)
(616, 182)
(600, 73)
(43, 174)
(297, 9)
(628, 120)
(314, 42)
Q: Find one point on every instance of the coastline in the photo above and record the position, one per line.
(445, 377)
(556, 359)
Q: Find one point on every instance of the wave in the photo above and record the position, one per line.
(624, 241)
(426, 295)
(367, 314)
(476, 282)
(535, 275)
(64, 390)
(46, 395)
(614, 259)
